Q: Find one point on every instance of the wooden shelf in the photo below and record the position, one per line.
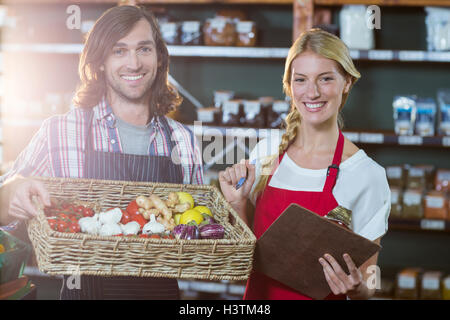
(361, 137)
(418, 3)
(240, 52)
(275, 2)
(419, 224)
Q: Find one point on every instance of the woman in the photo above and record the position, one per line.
(315, 166)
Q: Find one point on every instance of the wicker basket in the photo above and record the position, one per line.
(77, 253)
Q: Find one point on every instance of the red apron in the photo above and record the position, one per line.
(269, 206)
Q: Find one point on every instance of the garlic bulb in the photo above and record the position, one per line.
(90, 225)
(153, 226)
(110, 229)
(110, 216)
(130, 228)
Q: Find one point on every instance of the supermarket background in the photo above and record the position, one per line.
(405, 68)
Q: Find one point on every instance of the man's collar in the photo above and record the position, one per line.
(105, 112)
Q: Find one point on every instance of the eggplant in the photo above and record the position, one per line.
(207, 219)
(212, 231)
(186, 232)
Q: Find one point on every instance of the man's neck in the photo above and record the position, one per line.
(136, 113)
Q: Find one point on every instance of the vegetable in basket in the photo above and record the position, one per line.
(186, 231)
(153, 226)
(212, 231)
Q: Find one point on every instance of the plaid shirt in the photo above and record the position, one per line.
(57, 149)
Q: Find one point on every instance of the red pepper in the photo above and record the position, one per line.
(126, 217)
(139, 219)
(133, 208)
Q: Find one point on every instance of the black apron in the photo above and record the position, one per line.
(126, 167)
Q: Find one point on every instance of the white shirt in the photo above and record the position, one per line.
(361, 186)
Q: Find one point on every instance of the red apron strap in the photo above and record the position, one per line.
(333, 170)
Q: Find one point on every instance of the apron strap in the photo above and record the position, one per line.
(333, 169)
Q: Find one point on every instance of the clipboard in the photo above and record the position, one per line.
(290, 249)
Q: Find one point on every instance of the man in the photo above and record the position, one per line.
(118, 131)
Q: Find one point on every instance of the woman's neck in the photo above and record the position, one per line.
(316, 138)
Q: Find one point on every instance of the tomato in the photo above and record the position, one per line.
(133, 208)
(126, 217)
(169, 236)
(53, 223)
(155, 236)
(143, 235)
(139, 219)
(62, 226)
(63, 216)
(74, 227)
(79, 209)
(88, 212)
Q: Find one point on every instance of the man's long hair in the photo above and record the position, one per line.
(113, 25)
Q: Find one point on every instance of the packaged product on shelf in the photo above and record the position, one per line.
(234, 14)
(442, 180)
(407, 284)
(396, 176)
(246, 33)
(438, 28)
(396, 202)
(416, 177)
(425, 116)
(253, 114)
(353, 27)
(219, 31)
(231, 113)
(191, 33)
(169, 32)
(443, 97)
(208, 116)
(220, 96)
(431, 285)
(276, 116)
(446, 288)
(412, 206)
(266, 105)
(435, 205)
(404, 115)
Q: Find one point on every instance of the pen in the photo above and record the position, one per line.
(242, 180)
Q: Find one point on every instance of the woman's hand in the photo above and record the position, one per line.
(230, 177)
(340, 282)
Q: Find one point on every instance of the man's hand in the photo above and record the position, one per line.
(20, 198)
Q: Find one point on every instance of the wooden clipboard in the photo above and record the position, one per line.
(290, 249)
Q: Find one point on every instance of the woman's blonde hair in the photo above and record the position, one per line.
(328, 46)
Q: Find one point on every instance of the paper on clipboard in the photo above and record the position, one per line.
(290, 249)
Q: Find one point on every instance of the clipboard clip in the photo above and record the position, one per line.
(333, 166)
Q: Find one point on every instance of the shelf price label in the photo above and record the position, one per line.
(411, 55)
(377, 138)
(381, 54)
(446, 141)
(212, 287)
(410, 140)
(352, 136)
(432, 224)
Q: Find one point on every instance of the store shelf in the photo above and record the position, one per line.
(156, 1)
(277, 2)
(362, 137)
(419, 224)
(384, 2)
(240, 52)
